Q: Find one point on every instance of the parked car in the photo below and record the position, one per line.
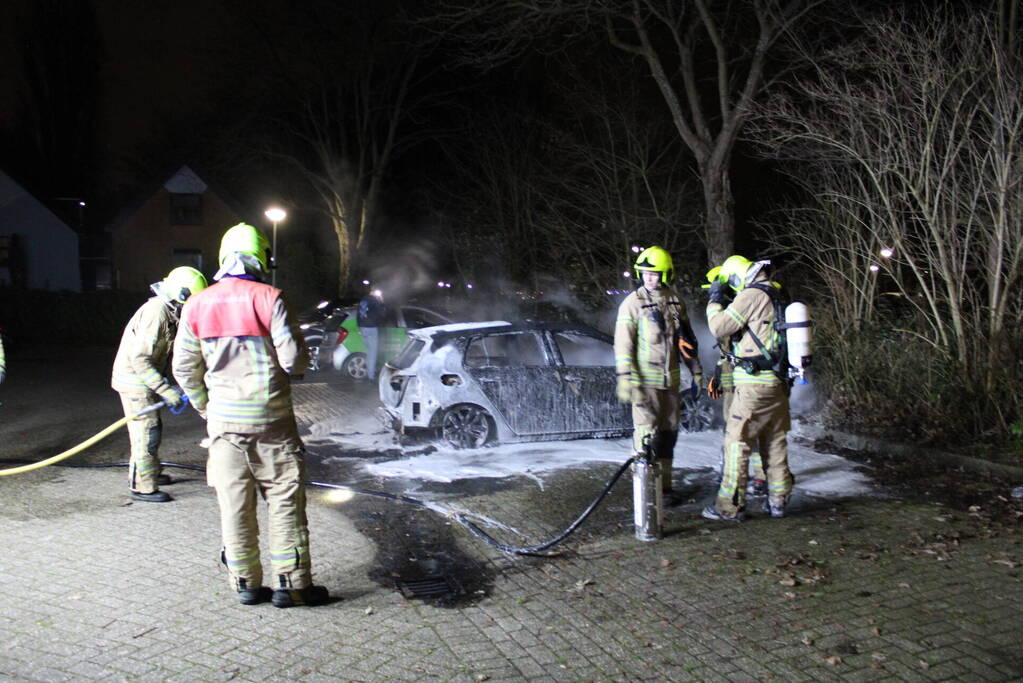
(322, 329)
(349, 354)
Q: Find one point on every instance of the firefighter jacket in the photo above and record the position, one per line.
(234, 352)
(646, 338)
(753, 310)
(142, 359)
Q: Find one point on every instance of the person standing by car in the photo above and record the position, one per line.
(372, 314)
(651, 322)
(140, 376)
(235, 354)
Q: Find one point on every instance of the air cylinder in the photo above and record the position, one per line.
(798, 335)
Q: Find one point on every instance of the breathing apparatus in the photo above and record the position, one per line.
(792, 322)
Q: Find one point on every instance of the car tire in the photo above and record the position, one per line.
(697, 415)
(466, 426)
(355, 366)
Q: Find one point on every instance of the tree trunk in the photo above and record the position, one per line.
(719, 228)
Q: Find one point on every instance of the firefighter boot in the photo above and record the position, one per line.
(774, 507)
(285, 595)
(663, 448)
(154, 497)
(252, 596)
(711, 512)
(310, 596)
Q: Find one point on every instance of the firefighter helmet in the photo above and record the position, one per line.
(739, 271)
(655, 260)
(180, 283)
(245, 239)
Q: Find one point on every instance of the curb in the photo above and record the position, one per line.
(857, 442)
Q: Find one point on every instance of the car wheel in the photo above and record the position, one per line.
(466, 426)
(355, 366)
(698, 415)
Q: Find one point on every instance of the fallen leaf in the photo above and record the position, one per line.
(666, 563)
(833, 661)
(789, 581)
(924, 665)
(876, 631)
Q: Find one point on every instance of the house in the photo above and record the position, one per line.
(37, 249)
(180, 224)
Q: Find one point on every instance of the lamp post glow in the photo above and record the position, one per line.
(275, 215)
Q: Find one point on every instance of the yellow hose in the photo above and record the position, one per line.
(82, 446)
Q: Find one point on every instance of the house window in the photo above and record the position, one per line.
(185, 209)
(187, 257)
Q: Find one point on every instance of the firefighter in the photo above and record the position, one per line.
(235, 354)
(140, 375)
(759, 411)
(721, 385)
(651, 327)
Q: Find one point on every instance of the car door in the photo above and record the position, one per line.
(514, 372)
(587, 374)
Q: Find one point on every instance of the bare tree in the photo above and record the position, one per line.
(910, 140)
(708, 60)
(569, 192)
(342, 140)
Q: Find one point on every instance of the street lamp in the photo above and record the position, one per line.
(275, 215)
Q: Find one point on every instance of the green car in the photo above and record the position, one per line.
(349, 355)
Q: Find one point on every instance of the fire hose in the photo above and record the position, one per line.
(99, 436)
(459, 517)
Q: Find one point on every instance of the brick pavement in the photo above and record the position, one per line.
(97, 588)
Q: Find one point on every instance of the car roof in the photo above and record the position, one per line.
(442, 333)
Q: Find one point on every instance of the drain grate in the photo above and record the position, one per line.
(430, 588)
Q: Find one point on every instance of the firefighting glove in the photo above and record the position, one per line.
(718, 293)
(714, 385)
(173, 398)
(624, 389)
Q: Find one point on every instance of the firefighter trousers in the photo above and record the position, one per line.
(144, 434)
(655, 414)
(272, 465)
(759, 415)
(754, 459)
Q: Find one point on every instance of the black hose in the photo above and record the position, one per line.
(540, 547)
(458, 517)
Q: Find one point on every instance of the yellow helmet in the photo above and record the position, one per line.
(739, 271)
(655, 260)
(180, 283)
(245, 239)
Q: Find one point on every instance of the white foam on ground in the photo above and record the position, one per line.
(815, 472)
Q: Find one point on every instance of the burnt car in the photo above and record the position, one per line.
(479, 383)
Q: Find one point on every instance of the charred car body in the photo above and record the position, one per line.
(476, 383)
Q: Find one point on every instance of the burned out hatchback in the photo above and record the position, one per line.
(477, 383)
